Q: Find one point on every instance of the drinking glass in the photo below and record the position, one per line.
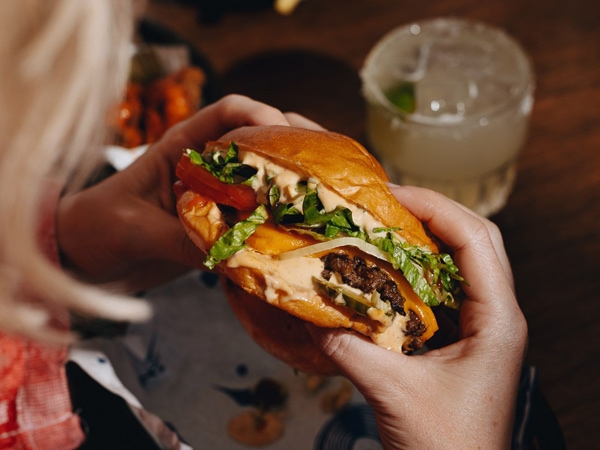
(448, 102)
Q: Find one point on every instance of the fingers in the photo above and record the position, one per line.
(454, 224)
(491, 307)
(235, 111)
(356, 356)
(297, 120)
(497, 240)
(211, 122)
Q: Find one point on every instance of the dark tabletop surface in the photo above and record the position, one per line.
(309, 61)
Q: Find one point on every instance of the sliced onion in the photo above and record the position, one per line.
(335, 243)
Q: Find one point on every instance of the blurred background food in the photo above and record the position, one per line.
(169, 80)
(155, 101)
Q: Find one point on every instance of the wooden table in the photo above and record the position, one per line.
(309, 62)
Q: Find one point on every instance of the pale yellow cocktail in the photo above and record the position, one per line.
(448, 103)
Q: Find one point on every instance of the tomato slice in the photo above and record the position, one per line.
(239, 196)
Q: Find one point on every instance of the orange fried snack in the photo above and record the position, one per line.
(129, 115)
(146, 112)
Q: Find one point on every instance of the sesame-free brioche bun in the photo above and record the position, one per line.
(286, 287)
(341, 163)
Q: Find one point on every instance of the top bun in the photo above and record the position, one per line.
(340, 163)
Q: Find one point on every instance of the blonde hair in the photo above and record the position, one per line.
(63, 64)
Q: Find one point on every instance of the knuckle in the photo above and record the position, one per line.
(335, 344)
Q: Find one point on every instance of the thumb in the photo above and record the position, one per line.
(356, 356)
(160, 236)
(184, 251)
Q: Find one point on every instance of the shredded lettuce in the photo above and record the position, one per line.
(234, 239)
(224, 165)
(434, 277)
(328, 223)
(439, 282)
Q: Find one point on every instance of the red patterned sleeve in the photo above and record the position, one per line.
(35, 407)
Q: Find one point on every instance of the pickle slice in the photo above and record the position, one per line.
(345, 297)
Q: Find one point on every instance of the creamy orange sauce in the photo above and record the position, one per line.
(286, 181)
(291, 280)
(270, 173)
(286, 280)
(392, 335)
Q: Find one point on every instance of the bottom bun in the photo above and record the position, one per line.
(280, 334)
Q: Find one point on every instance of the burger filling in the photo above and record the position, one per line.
(369, 279)
(287, 281)
(354, 272)
(304, 206)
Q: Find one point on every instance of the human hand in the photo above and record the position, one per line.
(125, 230)
(462, 395)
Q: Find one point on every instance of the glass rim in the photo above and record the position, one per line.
(374, 95)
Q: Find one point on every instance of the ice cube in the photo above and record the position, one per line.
(467, 56)
(444, 96)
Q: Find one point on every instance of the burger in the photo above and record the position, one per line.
(304, 221)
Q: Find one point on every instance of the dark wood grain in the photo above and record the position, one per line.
(309, 62)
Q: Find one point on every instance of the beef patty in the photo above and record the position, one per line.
(355, 272)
